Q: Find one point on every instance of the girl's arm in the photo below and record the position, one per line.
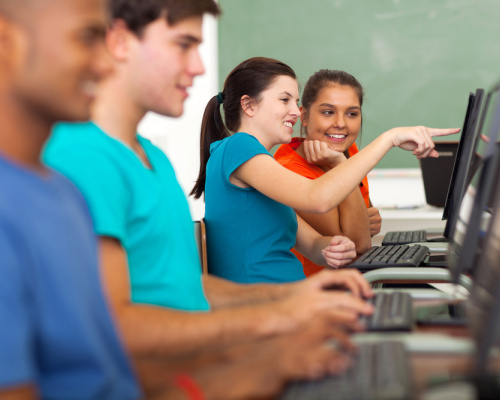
(335, 251)
(351, 217)
(321, 195)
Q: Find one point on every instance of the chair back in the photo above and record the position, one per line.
(200, 235)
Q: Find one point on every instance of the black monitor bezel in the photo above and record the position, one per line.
(468, 254)
(486, 334)
(461, 174)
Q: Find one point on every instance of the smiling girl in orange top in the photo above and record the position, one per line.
(331, 122)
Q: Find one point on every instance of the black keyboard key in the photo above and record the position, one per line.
(398, 253)
(418, 254)
(409, 253)
(418, 236)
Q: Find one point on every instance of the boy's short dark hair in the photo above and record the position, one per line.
(139, 13)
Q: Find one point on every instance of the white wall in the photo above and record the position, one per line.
(179, 137)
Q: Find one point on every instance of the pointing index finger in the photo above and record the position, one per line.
(443, 132)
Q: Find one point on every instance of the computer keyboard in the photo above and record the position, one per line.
(404, 237)
(393, 312)
(394, 255)
(380, 372)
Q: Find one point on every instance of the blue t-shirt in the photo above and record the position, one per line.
(145, 209)
(249, 235)
(55, 328)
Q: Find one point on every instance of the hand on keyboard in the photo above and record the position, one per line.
(323, 352)
(259, 369)
(381, 371)
(345, 279)
(308, 303)
(309, 299)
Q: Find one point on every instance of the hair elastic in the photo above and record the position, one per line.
(220, 99)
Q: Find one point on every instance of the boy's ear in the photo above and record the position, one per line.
(117, 39)
(13, 45)
(247, 105)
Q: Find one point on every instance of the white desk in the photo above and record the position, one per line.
(421, 218)
(396, 188)
(400, 197)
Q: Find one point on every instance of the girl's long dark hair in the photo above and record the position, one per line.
(250, 78)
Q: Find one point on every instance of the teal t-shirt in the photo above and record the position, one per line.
(249, 235)
(145, 209)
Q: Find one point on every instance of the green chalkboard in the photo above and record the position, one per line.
(417, 59)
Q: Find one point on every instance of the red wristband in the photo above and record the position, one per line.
(189, 386)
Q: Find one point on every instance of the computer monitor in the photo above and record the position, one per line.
(483, 307)
(459, 155)
(465, 162)
(476, 206)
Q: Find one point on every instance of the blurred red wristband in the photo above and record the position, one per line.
(189, 386)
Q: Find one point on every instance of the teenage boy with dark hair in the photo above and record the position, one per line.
(149, 259)
(57, 339)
